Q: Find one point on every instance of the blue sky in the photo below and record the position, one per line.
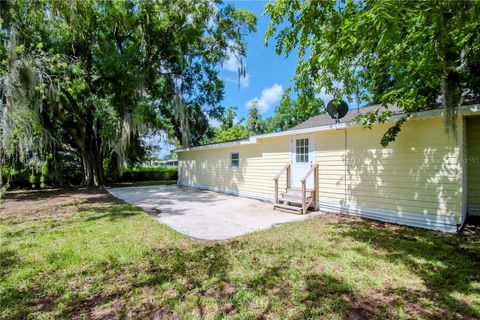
(268, 74)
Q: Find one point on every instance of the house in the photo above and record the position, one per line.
(426, 178)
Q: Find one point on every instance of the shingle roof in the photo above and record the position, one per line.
(325, 119)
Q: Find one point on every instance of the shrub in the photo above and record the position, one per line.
(150, 173)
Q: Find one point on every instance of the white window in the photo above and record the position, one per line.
(302, 150)
(234, 160)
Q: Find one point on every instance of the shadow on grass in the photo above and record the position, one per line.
(203, 271)
(447, 264)
(51, 194)
(8, 260)
(53, 205)
(52, 225)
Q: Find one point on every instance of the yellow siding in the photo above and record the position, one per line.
(473, 169)
(420, 172)
(259, 163)
(416, 180)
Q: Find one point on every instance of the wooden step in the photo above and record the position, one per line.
(309, 192)
(287, 208)
(294, 198)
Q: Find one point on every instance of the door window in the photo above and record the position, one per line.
(301, 150)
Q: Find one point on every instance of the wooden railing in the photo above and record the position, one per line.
(285, 168)
(305, 205)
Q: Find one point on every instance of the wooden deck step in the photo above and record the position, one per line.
(287, 208)
(299, 191)
(294, 198)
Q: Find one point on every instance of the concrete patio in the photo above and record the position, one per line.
(204, 214)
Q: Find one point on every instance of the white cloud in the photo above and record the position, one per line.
(322, 95)
(244, 81)
(233, 64)
(214, 122)
(268, 98)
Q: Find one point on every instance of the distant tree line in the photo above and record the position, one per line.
(287, 114)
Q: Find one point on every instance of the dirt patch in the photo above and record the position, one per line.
(20, 206)
(221, 292)
(114, 310)
(375, 304)
(472, 226)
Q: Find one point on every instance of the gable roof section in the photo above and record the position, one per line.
(325, 119)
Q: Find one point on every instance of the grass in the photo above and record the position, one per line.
(70, 254)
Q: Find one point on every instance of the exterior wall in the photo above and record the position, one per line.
(259, 164)
(473, 167)
(416, 180)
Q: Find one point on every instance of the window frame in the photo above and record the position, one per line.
(230, 161)
(302, 150)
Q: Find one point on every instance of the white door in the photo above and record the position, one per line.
(302, 159)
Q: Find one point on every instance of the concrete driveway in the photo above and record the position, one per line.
(204, 214)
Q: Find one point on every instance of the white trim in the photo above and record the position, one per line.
(253, 139)
(464, 110)
(236, 192)
(220, 145)
(230, 159)
(302, 131)
(470, 110)
(415, 219)
(294, 165)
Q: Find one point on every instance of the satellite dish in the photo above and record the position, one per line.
(337, 109)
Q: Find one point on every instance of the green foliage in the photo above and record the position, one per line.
(150, 173)
(290, 113)
(392, 132)
(227, 120)
(407, 53)
(93, 84)
(238, 131)
(287, 115)
(230, 128)
(32, 179)
(255, 124)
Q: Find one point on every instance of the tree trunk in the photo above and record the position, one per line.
(115, 173)
(92, 165)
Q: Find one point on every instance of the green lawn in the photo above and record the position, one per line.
(68, 254)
